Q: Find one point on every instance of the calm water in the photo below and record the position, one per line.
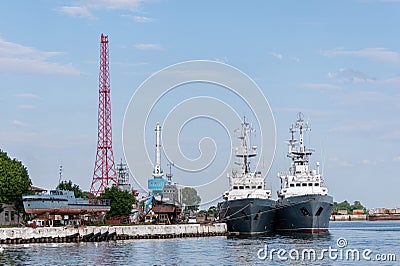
(381, 238)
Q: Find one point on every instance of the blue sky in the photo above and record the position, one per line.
(337, 62)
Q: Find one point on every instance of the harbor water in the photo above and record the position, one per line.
(376, 243)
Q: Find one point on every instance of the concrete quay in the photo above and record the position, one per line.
(26, 235)
(348, 217)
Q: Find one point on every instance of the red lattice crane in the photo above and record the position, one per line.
(104, 168)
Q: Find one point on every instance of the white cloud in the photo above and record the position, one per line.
(348, 75)
(396, 159)
(76, 11)
(29, 66)
(18, 123)
(17, 58)
(26, 106)
(28, 95)
(320, 86)
(9, 49)
(351, 76)
(141, 19)
(378, 54)
(85, 8)
(369, 162)
(115, 4)
(221, 59)
(148, 46)
(277, 55)
(394, 81)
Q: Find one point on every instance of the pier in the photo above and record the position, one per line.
(26, 235)
(349, 217)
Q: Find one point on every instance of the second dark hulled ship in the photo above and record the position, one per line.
(303, 204)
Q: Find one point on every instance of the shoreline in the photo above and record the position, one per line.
(25, 235)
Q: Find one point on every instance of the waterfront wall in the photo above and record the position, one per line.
(95, 233)
(348, 217)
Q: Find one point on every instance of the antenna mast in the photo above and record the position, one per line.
(104, 167)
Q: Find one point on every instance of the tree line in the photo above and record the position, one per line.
(345, 205)
(14, 181)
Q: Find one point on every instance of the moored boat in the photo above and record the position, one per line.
(63, 202)
(247, 207)
(303, 204)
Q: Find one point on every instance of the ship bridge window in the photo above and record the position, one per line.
(235, 187)
(241, 187)
(310, 184)
(247, 187)
(259, 187)
(304, 184)
(298, 184)
(291, 185)
(253, 187)
(317, 184)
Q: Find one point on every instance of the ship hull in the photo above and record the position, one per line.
(63, 206)
(70, 210)
(303, 214)
(248, 216)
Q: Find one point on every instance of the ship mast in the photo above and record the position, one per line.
(300, 155)
(244, 151)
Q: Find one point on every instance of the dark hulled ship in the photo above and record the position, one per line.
(247, 207)
(303, 204)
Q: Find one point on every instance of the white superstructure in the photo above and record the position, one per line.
(158, 172)
(243, 183)
(300, 180)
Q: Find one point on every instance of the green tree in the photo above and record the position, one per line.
(212, 211)
(345, 205)
(67, 185)
(121, 201)
(14, 181)
(357, 206)
(190, 198)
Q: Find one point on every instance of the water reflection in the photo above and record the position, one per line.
(233, 250)
(326, 236)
